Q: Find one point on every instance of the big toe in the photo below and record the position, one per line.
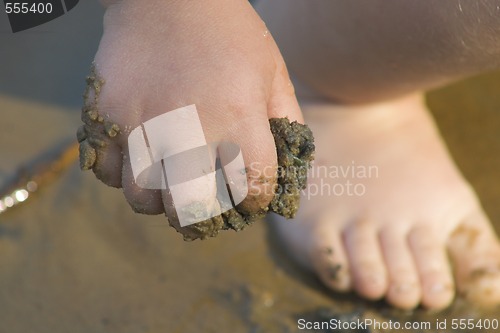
(317, 247)
(475, 251)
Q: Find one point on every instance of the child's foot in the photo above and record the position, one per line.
(385, 202)
(158, 56)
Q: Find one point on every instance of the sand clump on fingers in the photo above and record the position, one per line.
(294, 148)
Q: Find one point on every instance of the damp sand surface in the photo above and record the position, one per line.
(77, 259)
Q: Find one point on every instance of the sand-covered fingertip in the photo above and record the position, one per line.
(295, 149)
(97, 132)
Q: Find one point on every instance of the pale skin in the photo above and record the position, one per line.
(419, 234)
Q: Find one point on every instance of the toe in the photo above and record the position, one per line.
(329, 258)
(404, 289)
(367, 266)
(433, 268)
(475, 251)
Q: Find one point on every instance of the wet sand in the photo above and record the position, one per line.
(75, 258)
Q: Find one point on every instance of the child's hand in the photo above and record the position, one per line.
(157, 56)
